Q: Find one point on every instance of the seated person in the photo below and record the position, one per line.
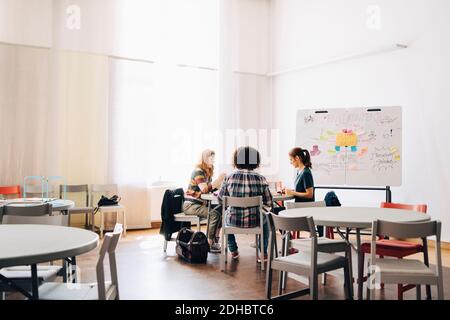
(245, 182)
(201, 183)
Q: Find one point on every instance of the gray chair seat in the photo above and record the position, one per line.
(399, 267)
(22, 276)
(111, 208)
(323, 244)
(78, 291)
(182, 217)
(302, 260)
(45, 273)
(82, 210)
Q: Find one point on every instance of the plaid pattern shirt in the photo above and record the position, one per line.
(241, 184)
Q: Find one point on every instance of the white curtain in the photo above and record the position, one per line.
(132, 97)
(54, 115)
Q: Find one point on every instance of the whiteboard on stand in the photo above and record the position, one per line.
(354, 147)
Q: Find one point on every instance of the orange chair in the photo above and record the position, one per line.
(11, 190)
(399, 249)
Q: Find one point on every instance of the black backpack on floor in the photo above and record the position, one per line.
(192, 246)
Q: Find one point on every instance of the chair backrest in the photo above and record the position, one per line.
(413, 207)
(408, 230)
(247, 202)
(11, 190)
(37, 191)
(83, 188)
(244, 202)
(293, 224)
(109, 188)
(109, 246)
(105, 189)
(296, 205)
(286, 225)
(33, 214)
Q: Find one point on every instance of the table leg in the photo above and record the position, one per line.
(207, 218)
(92, 221)
(360, 264)
(74, 266)
(34, 282)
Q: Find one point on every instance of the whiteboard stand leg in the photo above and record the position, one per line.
(388, 194)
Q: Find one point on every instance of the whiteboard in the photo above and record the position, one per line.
(355, 147)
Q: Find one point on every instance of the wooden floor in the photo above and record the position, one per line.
(146, 272)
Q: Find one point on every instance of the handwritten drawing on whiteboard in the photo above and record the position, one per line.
(358, 146)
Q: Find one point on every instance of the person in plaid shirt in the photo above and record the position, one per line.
(245, 182)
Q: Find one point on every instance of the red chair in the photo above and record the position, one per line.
(11, 190)
(399, 249)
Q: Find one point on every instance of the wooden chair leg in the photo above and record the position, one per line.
(360, 280)
(348, 283)
(280, 282)
(418, 293)
(257, 249)
(93, 221)
(102, 224)
(440, 289)
(223, 252)
(368, 291)
(262, 256)
(314, 287)
(124, 219)
(400, 291)
(269, 284)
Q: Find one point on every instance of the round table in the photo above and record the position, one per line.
(33, 244)
(57, 205)
(355, 218)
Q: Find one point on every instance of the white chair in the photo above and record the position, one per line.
(40, 192)
(87, 210)
(309, 263)
(249, 202)
(399, 271)
(31, 214)
(101, 290)
(323, 244)
(108, 190)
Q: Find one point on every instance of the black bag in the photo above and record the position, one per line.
(332, 200)
(192, 246)
(104, 201)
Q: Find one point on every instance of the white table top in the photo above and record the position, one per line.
(57, 205)
(276, 197)
(32, 244)
(355, 217)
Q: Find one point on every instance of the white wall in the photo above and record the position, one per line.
(172, 31)
(245, 88)
(309, 31)
(26, 22)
